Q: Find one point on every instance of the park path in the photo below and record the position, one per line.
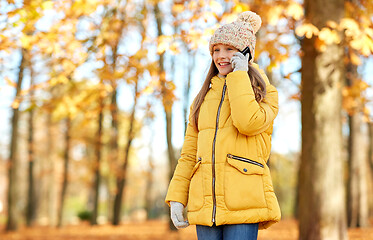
(153, 230)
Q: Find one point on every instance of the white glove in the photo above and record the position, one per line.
(240, 62)
(177, 215)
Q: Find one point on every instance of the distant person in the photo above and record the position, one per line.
(222, 175)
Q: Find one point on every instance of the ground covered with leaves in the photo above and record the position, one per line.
(153, 230)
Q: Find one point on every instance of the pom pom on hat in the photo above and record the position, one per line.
(251, 18)
(239, 34)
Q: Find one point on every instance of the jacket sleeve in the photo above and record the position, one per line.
(249, 116)
(179, 185)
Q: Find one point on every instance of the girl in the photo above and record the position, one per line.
(222, 175)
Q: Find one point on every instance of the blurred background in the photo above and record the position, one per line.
(94, 97)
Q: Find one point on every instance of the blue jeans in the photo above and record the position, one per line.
(228, 232)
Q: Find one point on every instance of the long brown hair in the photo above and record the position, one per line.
(257, 83)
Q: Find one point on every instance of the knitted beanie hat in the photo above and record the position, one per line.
(239, 34)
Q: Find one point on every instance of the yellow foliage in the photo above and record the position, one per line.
(162, 47)
(15, 103)
(26, 41)
(148, 90)
(240, 7)
(355, 59)
(10, 82)
(142, 53)
(307, 29)
(294, 10)
(60, 79)
(369, 32)
(366, 111)
(175, 48)
(163, 43)
(353, 96)
(274, 14)
(193, 5)
(329, 36)
(68, 66)
(364, 44)
(351, 26)
(177, 8)
(332, 24)
(47, 5)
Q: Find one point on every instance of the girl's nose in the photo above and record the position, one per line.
(222, 54)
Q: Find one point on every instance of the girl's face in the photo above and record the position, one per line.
(221, 56)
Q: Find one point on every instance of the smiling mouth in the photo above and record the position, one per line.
(224, 64)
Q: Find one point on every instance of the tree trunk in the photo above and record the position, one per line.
(97, 164)
(149, 186)
(167, 105)
(13, 213)
(357, 187)
(191, 63)
(31, 200)
(65, 170)
(149, 177)
(115, 130)
(50, 186)
(122, 175)
(370, 171)
(357, 197)
(322, 211)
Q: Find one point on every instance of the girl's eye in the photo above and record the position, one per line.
(216, 50)
(230, 49)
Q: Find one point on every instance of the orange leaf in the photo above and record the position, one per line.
(274, 14)
(307, 29)
(177, 8)
(355, 59)
(241, 7)
(295, 10)
(329, 36)
(10, 82)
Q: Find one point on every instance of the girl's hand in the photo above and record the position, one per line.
(177, 215)
(240, 62)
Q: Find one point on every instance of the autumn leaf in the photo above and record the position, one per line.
(274, 14)
(307, 29)
(148, 90)
(10, 82)
(177, 8)
(332, 24)
(47, 5)
(294, 10)
(364, 44)
(175, 48)
(351, 27)
(355, 59)
(329, 36)
(15, 104)
(240, 7)
(26, 41)
(296, 96)
(163, 43)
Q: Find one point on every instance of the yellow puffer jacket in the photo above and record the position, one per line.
(222, 175)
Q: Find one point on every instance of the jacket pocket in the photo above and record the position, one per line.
(243, 183)
(245, 165)
(196, 196)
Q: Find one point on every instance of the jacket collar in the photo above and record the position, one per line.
(217, 81)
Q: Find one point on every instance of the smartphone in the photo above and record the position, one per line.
(247, 51)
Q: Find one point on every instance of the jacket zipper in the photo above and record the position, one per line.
(245, 160)
(213, 153)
